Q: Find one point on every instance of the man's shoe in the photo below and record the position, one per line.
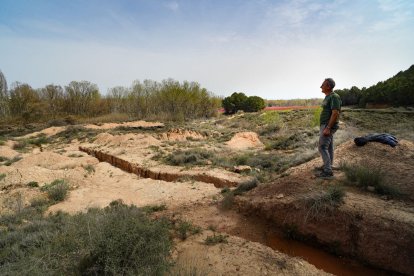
(321, 168)
(325, 175)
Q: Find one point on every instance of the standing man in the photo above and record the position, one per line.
(331, 106)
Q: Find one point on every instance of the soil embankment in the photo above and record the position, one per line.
(377, 230)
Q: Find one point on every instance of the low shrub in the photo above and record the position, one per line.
(2, 176)
(38, 141)
(186, 228)
(20, 145)
(117, 240)
(322, 204)
(154, 208)
(57, 190)
(13, 160)
(89, 168)
(364, 177)
(245, 186)
(32, 184)
(189, 157)
(215, 239)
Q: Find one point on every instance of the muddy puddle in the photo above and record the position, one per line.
(256, 230)
(319, 258)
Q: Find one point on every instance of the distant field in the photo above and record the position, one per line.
(293, 107)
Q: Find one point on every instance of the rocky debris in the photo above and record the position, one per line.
(245, 140)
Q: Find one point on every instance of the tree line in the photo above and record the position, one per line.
(165, 100)
(396, 91)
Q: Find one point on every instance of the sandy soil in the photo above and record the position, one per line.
(194, 200)
(245, 140)
(365, 221)
(134, 124)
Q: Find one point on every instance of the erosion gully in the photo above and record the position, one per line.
(275, 240)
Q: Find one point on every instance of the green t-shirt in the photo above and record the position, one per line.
(332, 101)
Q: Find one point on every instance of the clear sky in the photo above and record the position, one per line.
(273, 49)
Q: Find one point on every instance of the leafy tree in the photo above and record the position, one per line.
(254, 104)
(25, 102)
(234, 103)
(239, 101)
(82, 98)
(52, 96)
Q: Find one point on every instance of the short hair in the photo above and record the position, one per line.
(331, 82)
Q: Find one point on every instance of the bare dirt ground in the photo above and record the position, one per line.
(96, 184)
(278, 201)
(369, 226)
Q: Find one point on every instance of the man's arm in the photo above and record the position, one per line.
(332, 120)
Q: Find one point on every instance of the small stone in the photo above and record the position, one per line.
(371, 188)
(279, 196)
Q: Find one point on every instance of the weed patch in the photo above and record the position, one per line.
(322, 204)
(118, 240)
(57, 190)
(32, 184)
(367, 177)
(215, 239)
(2, 176)
(89, 168)
(154, 208)
(13, 160)
(189, 157)
(185, 228)
(245, 187)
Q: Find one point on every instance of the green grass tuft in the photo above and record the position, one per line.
(215, 239)
(364, 177)
(57, 190)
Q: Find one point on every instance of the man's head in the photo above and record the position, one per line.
(328, 85)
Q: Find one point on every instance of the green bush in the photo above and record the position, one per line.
(215, 239)
(118, 240)
(322, 204)
(239, 101)
(189, 157)
(245, 186)
(316, 117)
(13, 160)
(365, 177)
(89, 168)
(32, 184)
(20, 145)
(57, 190)
(2, 176)
(186, 228)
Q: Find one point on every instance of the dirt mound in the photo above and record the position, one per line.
(7, 152)
(47, 131)
(130, 139)
(53, 161)
(395, 163)
(365, 225)
(136, 124)
(245, 140)
(177, 134)
(237, 257)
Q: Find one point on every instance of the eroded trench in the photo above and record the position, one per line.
(357, 262)
(158, 174)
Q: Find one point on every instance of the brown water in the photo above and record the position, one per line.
(319, 258)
